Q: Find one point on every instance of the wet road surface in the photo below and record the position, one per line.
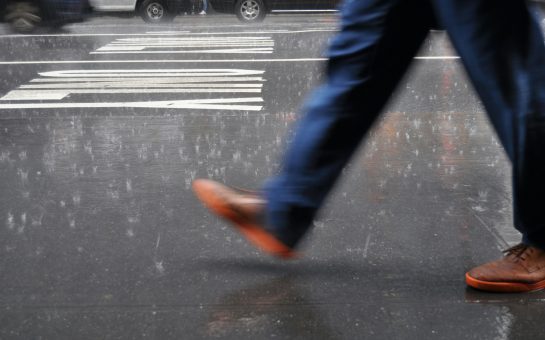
(104, 126)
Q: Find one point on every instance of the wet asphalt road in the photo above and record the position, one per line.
(105, 125)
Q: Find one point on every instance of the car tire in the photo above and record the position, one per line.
(23, 17)
(155, 11)
(250, 10)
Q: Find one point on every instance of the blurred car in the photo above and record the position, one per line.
(256, 10)
(25, 15)
(153, 11)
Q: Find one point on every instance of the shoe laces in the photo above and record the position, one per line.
(519, 252)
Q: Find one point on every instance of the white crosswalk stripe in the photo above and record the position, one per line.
(189, 45)
(54, 89)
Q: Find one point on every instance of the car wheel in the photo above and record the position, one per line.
(23, 17)
(250, 10)
(155, 11)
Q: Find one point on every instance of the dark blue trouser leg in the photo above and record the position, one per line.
(370, 54)
(503, 51)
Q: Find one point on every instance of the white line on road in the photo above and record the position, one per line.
(304, 11)
(174, 61)
(61, 94)
(177, 45)
(211, 104)
(259, 32)
(223, 51)
(160, 40)
(162, 33)
(194, 72)
(59, 85)
(148, 80)
(164, 83)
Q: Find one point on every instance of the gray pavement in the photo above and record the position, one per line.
(105, 125)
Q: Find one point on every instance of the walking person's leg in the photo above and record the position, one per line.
(502, 48)
(367, 58)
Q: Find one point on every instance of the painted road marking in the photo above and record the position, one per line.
(156, 45)
(10, 36)
(285, 31)
(179, 61)
(209, 104)
(130, 73)
(51, 88)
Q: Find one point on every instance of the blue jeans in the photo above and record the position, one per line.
(502, 49)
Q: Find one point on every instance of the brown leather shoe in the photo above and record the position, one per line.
(522, 269)
(245, 210)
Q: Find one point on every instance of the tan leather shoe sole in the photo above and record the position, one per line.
(504, 287)
(205, 191)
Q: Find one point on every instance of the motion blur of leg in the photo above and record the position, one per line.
(502, 48)
(377, 42)
(367, 58)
